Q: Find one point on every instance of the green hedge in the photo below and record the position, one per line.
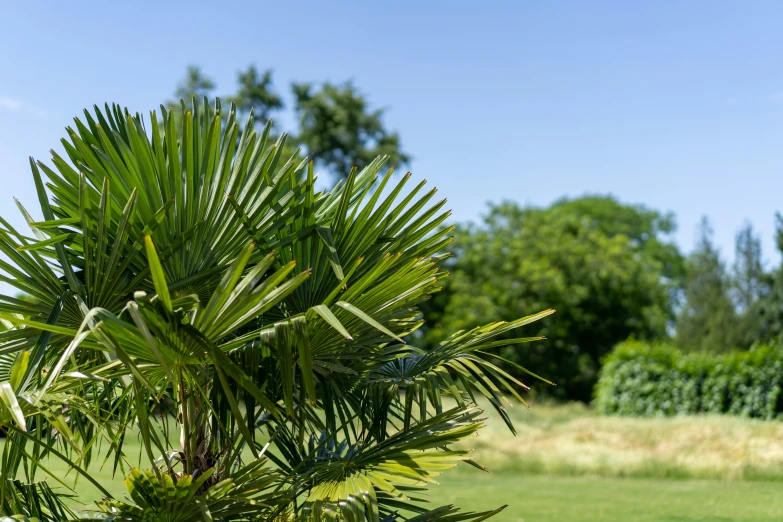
(657, 380)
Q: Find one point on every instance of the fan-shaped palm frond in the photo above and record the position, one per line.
(190, 283)
(33, 502)
(364, 481)
(187, 499)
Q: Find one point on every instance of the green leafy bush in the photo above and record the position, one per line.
(639, 379)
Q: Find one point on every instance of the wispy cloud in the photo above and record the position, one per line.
(12, 104)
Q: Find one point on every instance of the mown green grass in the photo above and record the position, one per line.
(568, 464)
(540, 498)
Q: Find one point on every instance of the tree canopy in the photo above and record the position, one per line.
(338, 128)
(609, 269)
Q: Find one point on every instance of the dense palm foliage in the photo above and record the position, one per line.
(189, 286)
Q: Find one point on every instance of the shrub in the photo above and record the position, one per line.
(639, 379)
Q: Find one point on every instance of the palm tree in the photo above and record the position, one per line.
(190, 285)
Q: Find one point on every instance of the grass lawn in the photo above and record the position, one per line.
(567, 464)
(540, 498)
(543, 498)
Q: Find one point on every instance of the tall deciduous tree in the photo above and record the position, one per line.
(339, 130)
(337, 126)
(256, 92)
(608, 268)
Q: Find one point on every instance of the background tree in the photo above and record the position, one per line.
(748, 270)
(750, 285)
(338, 129)
(708, 319)
(256, 92)
(765, 315)
(337, 126)
(195, 83)
(608, 268)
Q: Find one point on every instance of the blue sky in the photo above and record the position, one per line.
(677, 105)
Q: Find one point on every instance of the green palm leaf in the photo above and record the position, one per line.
(189, 283)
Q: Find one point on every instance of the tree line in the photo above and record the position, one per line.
(613, 272)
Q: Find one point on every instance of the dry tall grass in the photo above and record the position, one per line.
(572, 440)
